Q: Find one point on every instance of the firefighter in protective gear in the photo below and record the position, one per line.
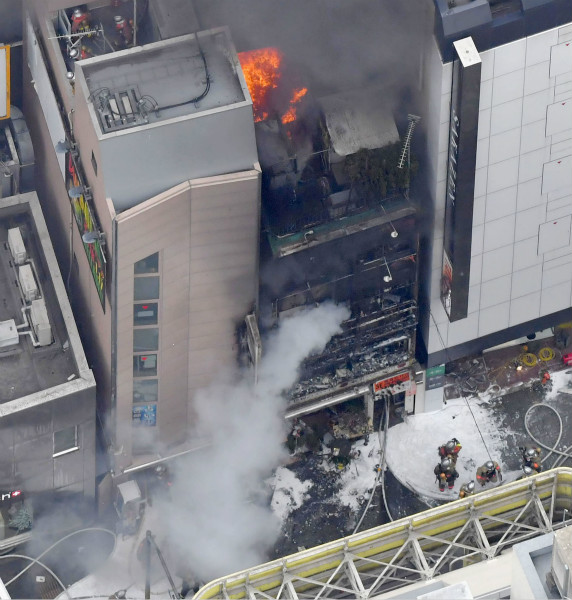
(450, 450)
(467, 489)
(79, 21)
(124, 29)
(531, 458)
(490, 471)
(445, 473)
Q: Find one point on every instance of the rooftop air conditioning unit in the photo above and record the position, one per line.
(41, 323)
(562, 560)
(28, 283)
(16, 245)
(8, 333)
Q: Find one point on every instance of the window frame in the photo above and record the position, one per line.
(67, 450)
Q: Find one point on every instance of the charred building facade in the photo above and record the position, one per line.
(338, 225)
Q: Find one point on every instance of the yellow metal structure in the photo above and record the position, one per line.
(4, 82)
(412, 549)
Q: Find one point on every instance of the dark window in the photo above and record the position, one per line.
(145, 365)
(145, 390)
(93, 162)
(65, 440)
(145, 339)
(150, 264)
(146, 288)
(145, 314)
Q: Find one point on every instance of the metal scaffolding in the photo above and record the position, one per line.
(416, 548)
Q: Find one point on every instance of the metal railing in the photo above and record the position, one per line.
(415, 548)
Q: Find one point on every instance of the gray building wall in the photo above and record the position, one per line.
(521, 264)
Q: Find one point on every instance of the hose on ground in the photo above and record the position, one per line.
(381, 472)
(35, 561)
(563, 455)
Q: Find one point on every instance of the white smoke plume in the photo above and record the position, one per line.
(214, 522)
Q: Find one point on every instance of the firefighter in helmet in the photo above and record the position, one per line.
(450, 449)
(467, 489)
(79, 20)
(531, 458)
(489, 472)
(445, 473)
(124, 28)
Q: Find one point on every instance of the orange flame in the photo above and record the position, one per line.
(290, 114)
(261, 71)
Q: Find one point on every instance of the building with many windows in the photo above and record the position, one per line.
(150, 178)
(497, 108)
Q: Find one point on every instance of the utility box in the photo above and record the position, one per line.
(41, 323)
(8, 333)
(28, 283)
(129, 505)
(16, 245)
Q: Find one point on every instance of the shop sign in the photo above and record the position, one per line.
(8, 496)
(86, 222)
(383, 384)
(145, 414)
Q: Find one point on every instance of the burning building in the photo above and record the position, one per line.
(338, 225)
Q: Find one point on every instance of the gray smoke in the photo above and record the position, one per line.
(216, 521)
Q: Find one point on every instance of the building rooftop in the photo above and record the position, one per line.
(37, 351)
(147, 84)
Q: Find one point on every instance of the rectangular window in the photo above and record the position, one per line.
(146, 390)
(150, 264)
(145, 314)
(65, 441)
(145, 288)
(145, 365)
(145, 339)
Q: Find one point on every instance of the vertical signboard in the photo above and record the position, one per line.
(463, 129)
(86, 222)
(4, 82)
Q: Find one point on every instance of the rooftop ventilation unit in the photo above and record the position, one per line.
(41, 323)
(16, 245)
(8, 333)
(119, 110)
(28, 283)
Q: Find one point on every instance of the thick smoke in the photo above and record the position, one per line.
(217, 521)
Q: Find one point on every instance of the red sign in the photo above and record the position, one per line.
(385, 383)
(9, 495)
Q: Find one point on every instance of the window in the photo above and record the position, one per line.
(65, 441)
(150, 264)
(145, 390)
(145, 339)
(146, 288)
(145, 314)
(145, 365)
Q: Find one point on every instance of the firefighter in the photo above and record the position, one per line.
(79, 21)
(490, 471)
(451, 449)
(445, 473)
(467, 489)
(531, 458)
(526, 472)
(124, 29)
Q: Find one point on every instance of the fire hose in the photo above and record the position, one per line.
(563, 454)
(380, 475)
